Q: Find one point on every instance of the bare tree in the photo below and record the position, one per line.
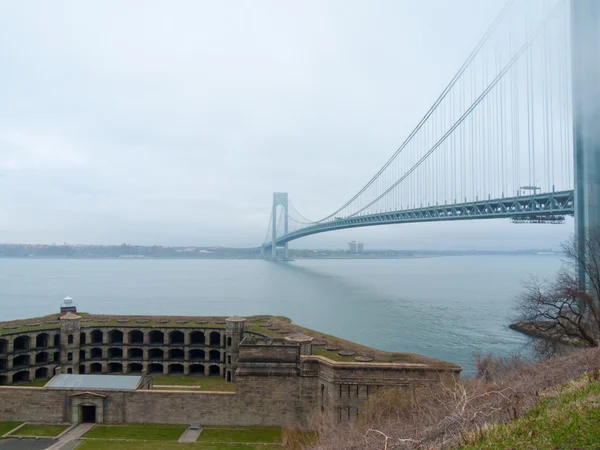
(560, 308)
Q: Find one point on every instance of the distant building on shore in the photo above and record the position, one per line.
(355, 247)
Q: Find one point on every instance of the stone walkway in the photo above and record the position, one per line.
(70, 439)
(190, 436)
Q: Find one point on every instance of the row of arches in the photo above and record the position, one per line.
(25, 343)
(24, 376)
(22, 361)
(154, 354)
(153, 368)
(175, 337)
(175, 354)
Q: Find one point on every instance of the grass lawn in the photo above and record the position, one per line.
(251, 434)
(36, 383)
(150, 432)
(141, 445)
(5, 427)
(40, 430)
(333, 355)
(569, 421)
(204, 383)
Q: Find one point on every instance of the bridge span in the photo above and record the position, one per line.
(513, 135)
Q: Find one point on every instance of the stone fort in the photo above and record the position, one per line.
(283, 373)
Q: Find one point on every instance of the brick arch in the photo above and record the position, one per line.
(96, 337)
(3, 346)
(214, 370)
(197, 369)
(21, 343)
(115, 352)
(115, 367)
(42, 373)
(21, 377)
(214, 338)
(197, 355)
(42, 340)
(42, 357)
(135, 368)
(214, 355)
(176, 337)
(136, 337)
(197, 338)
(176, 368)
(95, 368)
(156, 354)
(115, 337)
(155, 368)
(156, 337)
(176, 354)
(135, 353)
(21, 361)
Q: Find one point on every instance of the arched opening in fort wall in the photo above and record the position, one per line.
(156, 337)
(21, 343)
(136, 337)
(115, 337)
(42, 340)
(197, 338)
(197, 369)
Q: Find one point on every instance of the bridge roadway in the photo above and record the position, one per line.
(548, 204)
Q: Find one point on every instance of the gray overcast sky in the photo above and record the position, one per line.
(172, 123)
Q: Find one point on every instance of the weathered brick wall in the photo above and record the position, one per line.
(32, 404)
(184, 407)
(262, 403)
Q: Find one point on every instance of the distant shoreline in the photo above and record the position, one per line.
(292, 258)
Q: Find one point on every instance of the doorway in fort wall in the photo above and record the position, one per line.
(87, 407)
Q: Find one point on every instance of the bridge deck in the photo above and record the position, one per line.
(548, 204)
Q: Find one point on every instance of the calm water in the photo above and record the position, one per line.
(445, 307)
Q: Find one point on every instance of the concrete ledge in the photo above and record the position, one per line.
(379, 365)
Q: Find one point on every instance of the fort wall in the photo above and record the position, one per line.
(279, 381)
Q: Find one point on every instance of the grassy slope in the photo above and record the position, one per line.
(570, 420)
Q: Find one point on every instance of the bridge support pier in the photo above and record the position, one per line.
(279, 199)
(585, 51)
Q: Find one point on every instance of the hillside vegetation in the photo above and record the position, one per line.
(511, 404)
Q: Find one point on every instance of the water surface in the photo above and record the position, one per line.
(446, 307)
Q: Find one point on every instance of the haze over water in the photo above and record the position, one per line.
(444, 307)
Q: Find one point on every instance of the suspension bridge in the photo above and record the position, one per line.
(514, 135)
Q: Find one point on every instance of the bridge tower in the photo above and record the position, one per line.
(585, 60)
(279, 198)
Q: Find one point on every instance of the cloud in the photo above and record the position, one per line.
(31, 148)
